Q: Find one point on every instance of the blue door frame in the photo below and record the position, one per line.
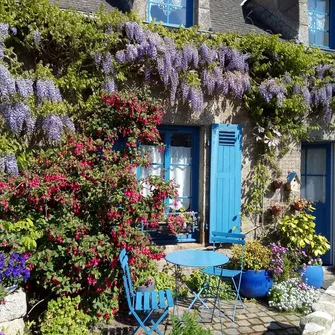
(322, 208)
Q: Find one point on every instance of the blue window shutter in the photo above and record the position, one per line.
(225, 178)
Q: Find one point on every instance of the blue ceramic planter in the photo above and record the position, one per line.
(255, 284)
(313, 276)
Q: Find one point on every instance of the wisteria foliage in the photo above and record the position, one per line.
(161, 55)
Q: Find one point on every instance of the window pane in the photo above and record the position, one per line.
(312, 4)
(181, 155)
(156, 156)
(182, 176)
(316, 189)
(158, 12)
(322, 22)
(181, 140)
(311, 37)
(311, 20)
(316, 161)
(303, 188)
(178, 16)
(322, 6)
(303, 161)
(322, 38)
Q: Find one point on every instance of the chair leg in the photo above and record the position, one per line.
(154, 326)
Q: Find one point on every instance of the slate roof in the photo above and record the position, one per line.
(229, 15)
(86, 6)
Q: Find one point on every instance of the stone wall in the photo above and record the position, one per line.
(12, 313)
(225, 111)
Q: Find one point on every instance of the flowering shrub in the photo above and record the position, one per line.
(285, 262)
(256, 256)
(13, 271)
(292, 295)
(87, 201)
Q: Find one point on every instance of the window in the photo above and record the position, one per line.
(319, 23)
(313, 174)
(171, 12)
(179, 161)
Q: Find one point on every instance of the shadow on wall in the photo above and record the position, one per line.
(123, 5)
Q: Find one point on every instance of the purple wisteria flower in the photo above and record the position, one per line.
(131, 53)
(189, 55)
(98, 59)
(46, 89)
(147, 72)
(3, 30)
(236, 61)
(7, 83)
(107, 64)
(321, 70)
(120, 56)
(67, 123)
(270, 89)
(37, 37)
(110, 85)
(11, 167)
(24, 87)
(207, 54)
(14, 114)
(53, 127)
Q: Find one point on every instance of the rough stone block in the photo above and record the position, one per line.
(15, 306)
(321, 318)
(14, 327)
(324, 306)
(314, 329)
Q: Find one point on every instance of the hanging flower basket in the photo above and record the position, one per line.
(276, 210)
(276, 184)
(300, 204)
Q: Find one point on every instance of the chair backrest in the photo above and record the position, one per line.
(128, 286)
(229, 238)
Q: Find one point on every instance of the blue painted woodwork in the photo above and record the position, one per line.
(291, 177)
(255, 284)
(225, 178)
(146, 302)
(313, 276)
(171, 14)
(318, 16)
(196, 258)
(322, 208)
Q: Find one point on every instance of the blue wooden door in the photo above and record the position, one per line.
(225, 178)
(316, 185)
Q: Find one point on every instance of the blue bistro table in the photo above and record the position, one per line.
(196, 259)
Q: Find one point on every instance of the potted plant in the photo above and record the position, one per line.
(298, 232)
(276, 184)
(300, 204)
(276, 209)
(256, 279)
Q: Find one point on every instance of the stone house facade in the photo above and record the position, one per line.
(209, 185)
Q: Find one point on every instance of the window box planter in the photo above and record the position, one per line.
(188, 232)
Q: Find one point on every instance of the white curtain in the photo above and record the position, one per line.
(182, 174)
(155, 170)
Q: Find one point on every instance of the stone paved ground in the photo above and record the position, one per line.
(257, 319)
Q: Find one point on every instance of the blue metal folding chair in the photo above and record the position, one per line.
(234, 275)
(145, 302)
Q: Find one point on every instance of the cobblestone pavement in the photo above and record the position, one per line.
(257, 319)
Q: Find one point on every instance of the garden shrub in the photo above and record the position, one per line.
(64, 317)
(292, 295)
(188, 325)
(87, 201)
